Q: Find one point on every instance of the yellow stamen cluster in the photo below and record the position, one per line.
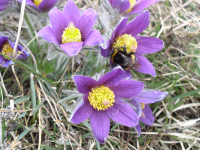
(101, 98)
(37, 2)
(142, 105)
(128, 40)
(71, 34)
(132, 4)
(7, 50)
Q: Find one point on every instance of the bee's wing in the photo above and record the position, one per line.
(136, 65)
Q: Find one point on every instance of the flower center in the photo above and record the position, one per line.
(101, 98)
(71, 34)
(7, 50)
(128, 40)
(142, 105)
(132, 3)
(37, 2)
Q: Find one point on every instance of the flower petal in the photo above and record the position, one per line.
(148, 117)
(86, 22)
(24, 54)
(148, 45)
(83, 112)
(46, 5)
(136, 106)
(4, 4)
(6, 63)
(127, 74)
(138, 129)
(71, 13)
(124, 6)
(150, 97)
(139, 24)
(100, 124)
(1, 58)
(122, 113)
(146, 66)
(142, 4)
(84, 84)
(48, 34)
(105, 52)
(127, 89)
(115, 3)
(3, 39)
(94, 38)
(58, 23)
(111, 78)
(119, 30)
(72, 48)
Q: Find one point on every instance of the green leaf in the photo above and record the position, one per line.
(69, 98)
(22, 115)
(66, 61)
(87, 134)
(115, 126)
(22, 99)
(185, 94)
(33, 94)
(49, 136)
(24, 133)
(51, 90)
(87, 125)
(36, 109)
(49, 148)
(21, 64)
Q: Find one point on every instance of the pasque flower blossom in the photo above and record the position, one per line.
(103, 100)
(70, 30)
(41, 5)
(6, 48)
(143, 110)
(127, 35)
(131, 6)
(4, 4)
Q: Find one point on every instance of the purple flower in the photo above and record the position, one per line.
(70, 30)
(131, 6)
(127, 34)
(4, 4)
(102, 101)
(6, 48)
(142, 108)
(41, 5)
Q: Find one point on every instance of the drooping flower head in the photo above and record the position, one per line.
(131, 6)
(6, 48)
(102, 101)
(143, 110)
(127, 34)
(70, 30)
(4, 4)
(41, 5)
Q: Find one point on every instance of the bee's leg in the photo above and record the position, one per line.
(124, 47)
(120, 48)
(107, 65)
(113, 65)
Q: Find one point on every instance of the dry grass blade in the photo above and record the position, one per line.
(20, 26)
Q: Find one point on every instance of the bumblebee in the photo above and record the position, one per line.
(126, 60)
